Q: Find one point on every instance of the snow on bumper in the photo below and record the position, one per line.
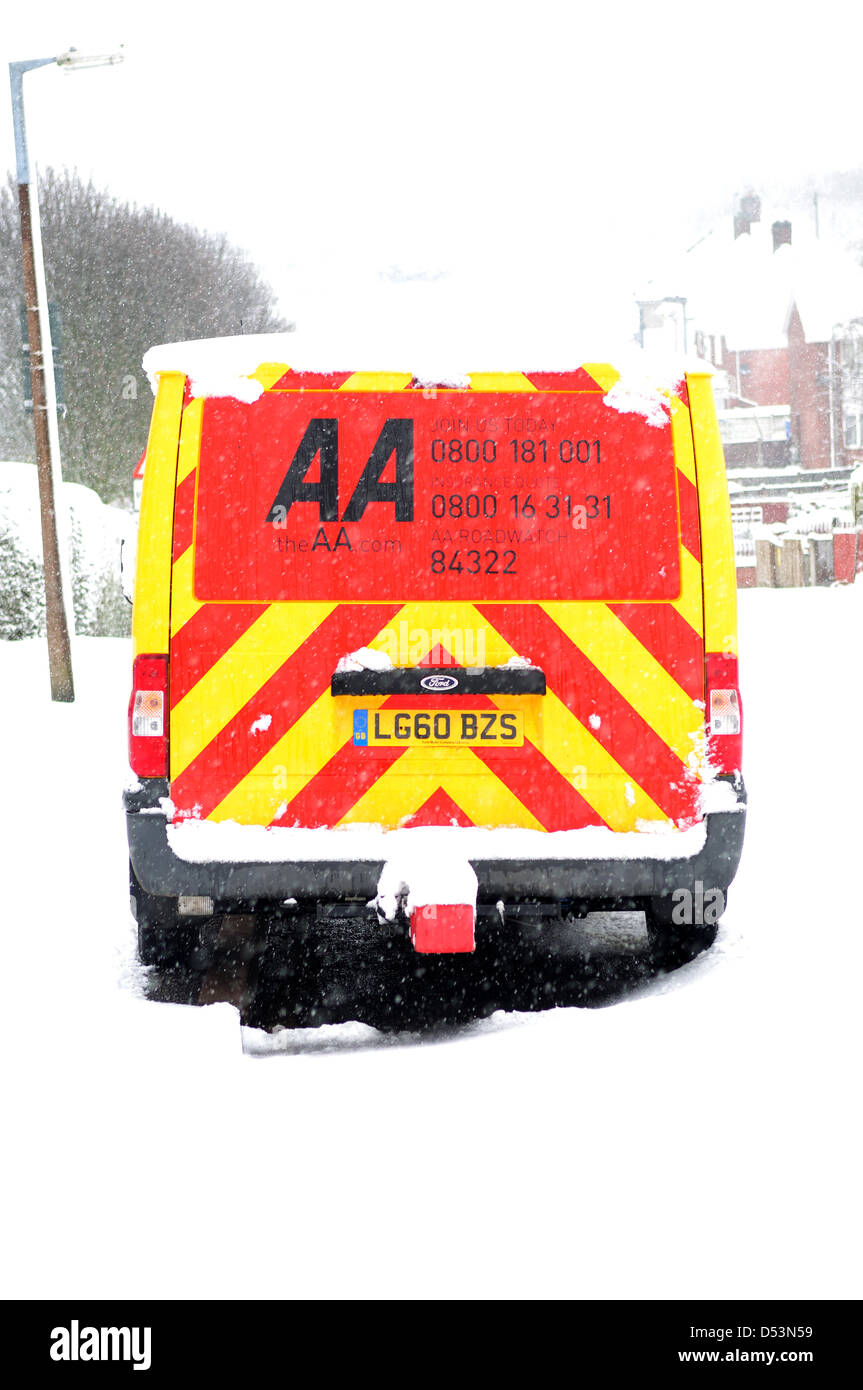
(227, 861)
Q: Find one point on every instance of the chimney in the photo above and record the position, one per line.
(781, 234)
(748, 212)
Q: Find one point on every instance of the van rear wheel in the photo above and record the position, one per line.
(674, 943)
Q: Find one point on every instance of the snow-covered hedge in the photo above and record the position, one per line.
(95, 536)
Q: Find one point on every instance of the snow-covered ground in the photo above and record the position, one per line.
(698, 1138)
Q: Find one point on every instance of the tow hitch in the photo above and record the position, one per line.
(439, 901)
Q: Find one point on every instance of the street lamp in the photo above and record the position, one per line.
(42, 371)
(836, 383)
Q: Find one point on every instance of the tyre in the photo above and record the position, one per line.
(674, 943)
(164, 938)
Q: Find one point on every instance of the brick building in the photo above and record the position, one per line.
(780, 315)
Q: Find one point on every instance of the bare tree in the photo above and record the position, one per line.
(123, 278)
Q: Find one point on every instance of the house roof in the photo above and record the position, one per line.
(742, 289)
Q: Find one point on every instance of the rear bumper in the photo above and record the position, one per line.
(163, 873)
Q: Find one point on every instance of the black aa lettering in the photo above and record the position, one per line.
(397, 436)
(321, 437)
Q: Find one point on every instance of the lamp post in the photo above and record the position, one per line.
(840, 333)
(42, 373)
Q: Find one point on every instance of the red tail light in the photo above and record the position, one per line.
(148, 717)
(724, 714)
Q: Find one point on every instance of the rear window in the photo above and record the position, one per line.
(453, 495)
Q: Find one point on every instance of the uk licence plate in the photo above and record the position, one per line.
(466, 727)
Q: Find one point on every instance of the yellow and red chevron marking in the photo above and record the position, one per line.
(278, 377)
(257, 737)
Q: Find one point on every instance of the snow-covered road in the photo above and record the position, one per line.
(699, 1138)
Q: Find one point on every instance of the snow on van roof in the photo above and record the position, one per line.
(212, 364)
(223, 366)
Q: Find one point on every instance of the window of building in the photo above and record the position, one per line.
(750, 426)
(745, 516)
(852, 425)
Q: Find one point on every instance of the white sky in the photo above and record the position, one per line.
(542, 155)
